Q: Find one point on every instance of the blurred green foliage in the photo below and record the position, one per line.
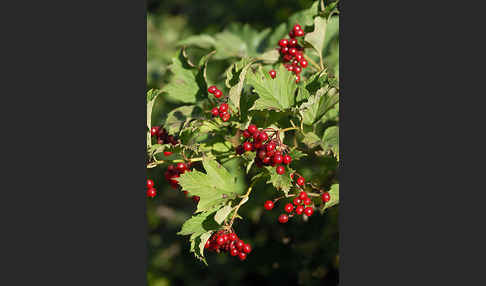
(298, 253)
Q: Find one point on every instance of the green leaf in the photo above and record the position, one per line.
(235, 78)
(296, 154)
(201, 77)
(202, 41)
(273, 94)
(252, 37)
(182, 86)
(334, 193)
(304, 17)
(228, 45)
(151, 96)
(280, 182)
(330, 9)
(200, 223)
(269, 57)
(311, 140)
(177, 118)
(215, 188)
(222, 213)
(316, 38)
(330, 140)
(318, 104)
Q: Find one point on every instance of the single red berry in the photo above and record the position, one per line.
(263, 136)
(234, 252)
(220, 240)
(292, 51)
(262, 154)
(252, 128)
(247, 248)
(291, 34)
(299, 210)
(266, 160)
(208, 244)
(223, 107)
(256, 135)
(289, 207)
(217, 93)
(239, 244)
(196, 199)
(299, 56)
(214, 111)
(232, 236)
(225, 117)
(326, 197)
(242, 256)
(167, 153)
(280, 169)
(297, 78)
(283, 42)
(225, 237)
(295, 62)
(292, 43)
(307, 201)
(212, 89)
(299, 33)
(171, 168)
(284, 50)
(150, 183)
(246, 134)
(257, 145)
(302, 195)
(287, 57)
(154, 130)
(268, 205)
(297, 27)
(272, 73)
(290, 68)
(270, 146)
(300, 181)
(283, 218)
(297, 69)
(303, 63)
(287, 159)
(308, 211)
(151, 192)
(297, 201)
(181, 167)
(247, 146)
(277, 158)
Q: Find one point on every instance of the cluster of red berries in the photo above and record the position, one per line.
(223, 110)
(267, 149)
(163, 137)
(292, 53)
(228, 242)
(300, 202)
(151, 191)
(174, 171)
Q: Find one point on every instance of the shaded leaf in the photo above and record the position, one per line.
(330, 140)
(334, 194)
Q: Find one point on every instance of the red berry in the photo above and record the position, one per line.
(308, 211)
(171, 168)
(280, 169)
(212, 89)
(262, 154)
(287, 159)
(247, 248)
(154, 130)
(283, 42)
(271, 153)
(284, 50)
(234, 252)
(272, 73)
(302, 195)
(223, 107)
(151, 192)
(232, 236)
(299, 33)
(181, 167)
(268, 205)
(247, 146)
(257, 145)
(297, 27)
(252, 128)
(266, 160)
(225, 237)
(220, 240)
(299, 210)
(150, 183)
(326, 197)
(242, 256)
(208, 244)
(225, 117)
(167, 153)
(292, 42)
(196, 199)
(303, 63)
(289, 207)
(214, 111)
(256, 135)
(283, 218)
(297, 201)
(218, 93)
(307, 201)
(246, 134)
(270, 146)
(292, 176)
(297, 69)
(291, 34)
(299, 56)
(287, 58)
(300, 181)
(297, 78)
(292, 51)
(290, 68)
(239, 244)
(277, 158)
(295, 62)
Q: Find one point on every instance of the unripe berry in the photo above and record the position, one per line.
(247, 248)
(223, 107)
(234, 252)
(308, 211)
(283, 42)
(307, 201)
(218, 93)
(214, 111)
(154, 130)
(297, 201)
(277, 158)
(247, 146)
(150, 183)
(300, 181)
(272, 73)
(287, 159)
(326, 197)
(283, 218)
(246, 134)
(299, 210)
(212, 89)
(302, 195)
(280, 169)
(167, 153)
(252, 128)
(289, 207)
(242, 256)
(268, 205)
(303, 63)
(151, 192)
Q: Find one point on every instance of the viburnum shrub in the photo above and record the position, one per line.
(272, 108)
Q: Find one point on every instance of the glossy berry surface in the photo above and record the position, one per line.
(307, 201)
(308, 211)
(326, 197)
(252, 128)
(283, 42)
(218, 93)
(215, 111)
(289, 208)
(150, 183)
(167, 153)
(286, 159)
(299, 33)
(242, 256)
(272, 73)
(181, 167)
(212, 89)
(247, 248)
(299, 210)
(297, 201)
(154, 130)
(277, 158)
(223, 107)
(225, 117)
(283, 218)
(151, 192)
(247, 146)
(234, 252)
(246, 134)
(300, 181)
(268, 205)
(303, 63)
(302, 195)
(280, 170)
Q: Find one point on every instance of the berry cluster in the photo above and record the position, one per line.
(268, 150)
(223, 110)
(174, 171)
(151, 191)
(163, 137)
(229, 242)
(301, 202)
(292, 53)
